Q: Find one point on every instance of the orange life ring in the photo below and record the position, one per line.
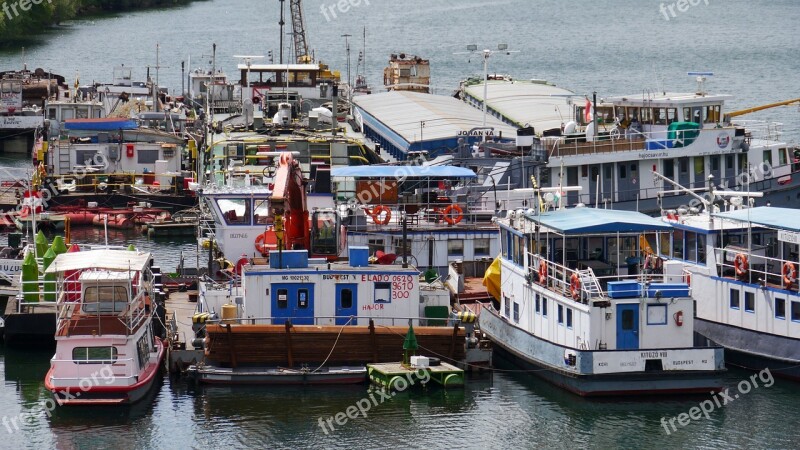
(575, 286)
(452, 218)
(264, 244)
(542, 273)
(789, 274)
(740, 264)
(376, 214)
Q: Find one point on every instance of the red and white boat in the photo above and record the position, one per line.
(106, 351)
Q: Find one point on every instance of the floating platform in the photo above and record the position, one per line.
(278, 375)
(394, 375)
(171, 228)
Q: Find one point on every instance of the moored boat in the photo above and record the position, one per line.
(107, 352)
(574, 308)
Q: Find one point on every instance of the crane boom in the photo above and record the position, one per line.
(299, 32)
(742, 112)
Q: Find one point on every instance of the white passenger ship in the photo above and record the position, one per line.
(574, 309)
(742, 264)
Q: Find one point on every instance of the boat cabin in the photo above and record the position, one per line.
(314, 83)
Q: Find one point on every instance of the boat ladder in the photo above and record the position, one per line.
(589, 284)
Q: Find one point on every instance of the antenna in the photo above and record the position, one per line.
(701, 78)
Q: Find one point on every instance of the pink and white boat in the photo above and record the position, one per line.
(106, 350)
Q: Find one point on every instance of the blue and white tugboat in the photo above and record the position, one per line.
(575, 308)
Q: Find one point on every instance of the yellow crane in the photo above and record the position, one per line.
(742, 112)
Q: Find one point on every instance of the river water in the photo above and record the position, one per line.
(614, 47)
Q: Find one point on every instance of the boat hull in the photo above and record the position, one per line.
(508, 340)
(278, 376)
(753, 350)
(98, 395)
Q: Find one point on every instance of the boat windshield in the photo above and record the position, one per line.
(105, 299)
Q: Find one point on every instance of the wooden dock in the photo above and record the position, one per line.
(395, 376)
(181, 353)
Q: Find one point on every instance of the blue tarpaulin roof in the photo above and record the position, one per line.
(100, 124)
(403, 172)
(591, 220)
(768, 216)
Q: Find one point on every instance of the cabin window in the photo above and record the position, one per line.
(85, 157)
(504, 243)
(714, 163)
(672, 115)
(677, 244)
(346, 298)
(712, 113)
(455, 247)
(482, 246)
(302, 298)
(235, 211)
(104, 299)
(146, 156)
(375, 245)
(516, 312)
(383, 292)
(544, 177)
(659, 116)
(561, 314)
(664, 244)
(684, 165)
(143, 350)
(656, 314)
(519, 244)
(691, 246)
(734, 299)
(507, 306)
(780, 308)
(94, 355)
(569, 317)
(767, 157)
(783, 157)
(687, 114)
(729, 162)
(749, 302)
(701, 249)
(623, 171)
(261, 212)
(537, 303)
(283, 298)
(544, 306)
(795, 311)
(699, 166)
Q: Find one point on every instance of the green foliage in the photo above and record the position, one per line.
(16, 23)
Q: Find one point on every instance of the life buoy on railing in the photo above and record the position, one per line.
(789, 274)
(542, 273)
(376, 214)
(575, 286)
(740, 264)
(453, 214)
(262, 246)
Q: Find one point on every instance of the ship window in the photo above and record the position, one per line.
(544, 306)
(656, 314)
(627, 319)
(94, 355)
(104, 299)
(235, 211)
(507, 306)
(701, 248)
(569, 317)
(346, 299)
(780, 308)
(261, 212)
(691, 246)
(749, 302)
(734, 299)
(538, 304)
(561, 314)
(729, 162)
(795, 311)
(516, 312)
(455, 247)
(715, 163)
(481, 246)
(504, 243)
(699, 165)
(677, 244)
(302, 298)
(375, 245)
(672, 115)
(283, 298)
(684, 165)
(712, 113)
(767, 157)
(783, 159)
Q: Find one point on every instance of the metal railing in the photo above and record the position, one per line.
(320, 320)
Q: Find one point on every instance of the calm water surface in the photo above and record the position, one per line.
(612, 47)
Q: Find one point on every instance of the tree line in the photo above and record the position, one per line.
(20, 19)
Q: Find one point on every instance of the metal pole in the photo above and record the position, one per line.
(485, 84)
(282, 23)
(594, 112)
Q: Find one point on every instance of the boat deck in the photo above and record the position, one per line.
(80, 323)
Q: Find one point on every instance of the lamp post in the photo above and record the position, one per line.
(485, 54)
(347, 49)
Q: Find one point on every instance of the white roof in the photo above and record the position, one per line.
(539, 104)
(279, 67)
(99, 259)
(444, 117)
(104, 275)
(668, 99)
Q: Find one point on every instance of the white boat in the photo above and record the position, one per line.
(574, 310)
(610, 148)
(106, 349)
(742, 263)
